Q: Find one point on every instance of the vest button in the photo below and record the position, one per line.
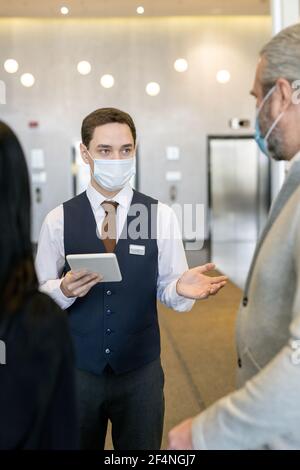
(108, 292)
(107, 351)
(108, 331)
(240, 363)
(108, 311)
(245, 301)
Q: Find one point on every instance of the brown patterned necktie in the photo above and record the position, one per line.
(109, 226)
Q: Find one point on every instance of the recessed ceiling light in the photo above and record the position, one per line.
(223, 76)
(107, 81)
(140, 10)
(64, 10)
(27, 79)
(84, 67)
(152, 89)
(181, 65)
(11, 66)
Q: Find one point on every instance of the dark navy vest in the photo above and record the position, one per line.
(115, 323)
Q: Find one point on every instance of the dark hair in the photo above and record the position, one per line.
(103, 116)
(17, 273)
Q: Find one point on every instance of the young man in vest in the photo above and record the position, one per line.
(114, 325)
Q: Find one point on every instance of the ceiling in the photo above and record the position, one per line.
(120, 8)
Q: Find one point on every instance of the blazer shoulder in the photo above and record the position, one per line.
(42, 318)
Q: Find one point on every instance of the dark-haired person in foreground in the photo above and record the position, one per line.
(37, 390)
(114, 325)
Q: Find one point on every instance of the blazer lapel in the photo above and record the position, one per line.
(291, 184)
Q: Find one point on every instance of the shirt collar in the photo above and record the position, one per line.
(291, 162)
(123, 198)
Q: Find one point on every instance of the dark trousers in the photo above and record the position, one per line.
(133, 402)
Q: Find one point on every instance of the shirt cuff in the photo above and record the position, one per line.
(179, 303)
(52, 288)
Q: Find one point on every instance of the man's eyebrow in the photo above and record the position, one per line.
(104, 146)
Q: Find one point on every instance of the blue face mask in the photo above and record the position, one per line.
(111, 174)
(261, 141)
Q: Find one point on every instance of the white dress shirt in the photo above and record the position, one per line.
(50, 259)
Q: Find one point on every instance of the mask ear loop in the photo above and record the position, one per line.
(86, 151)
(265, 99)
(276, 120)
(273, 126)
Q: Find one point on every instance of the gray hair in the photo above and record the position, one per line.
(282, 56)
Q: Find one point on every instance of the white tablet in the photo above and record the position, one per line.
(105, 264)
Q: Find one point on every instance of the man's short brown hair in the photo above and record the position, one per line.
(103, 116)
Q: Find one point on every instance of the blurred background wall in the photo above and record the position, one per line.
(135, 51)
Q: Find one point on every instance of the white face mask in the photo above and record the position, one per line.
(113, 175)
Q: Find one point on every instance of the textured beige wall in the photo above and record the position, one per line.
(136, 51)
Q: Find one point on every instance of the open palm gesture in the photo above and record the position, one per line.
(194, 284)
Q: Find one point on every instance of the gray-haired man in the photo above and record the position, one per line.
(265, 411)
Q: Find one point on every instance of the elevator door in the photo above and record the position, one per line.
(239, 202)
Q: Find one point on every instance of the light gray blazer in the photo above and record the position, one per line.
(265, 411)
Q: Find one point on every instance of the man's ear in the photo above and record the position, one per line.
(84, 154)
(285, 93)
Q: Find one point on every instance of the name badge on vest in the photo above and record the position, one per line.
(137, 250)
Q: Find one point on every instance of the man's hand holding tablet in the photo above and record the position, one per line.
(79, 283)
(87, 270)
